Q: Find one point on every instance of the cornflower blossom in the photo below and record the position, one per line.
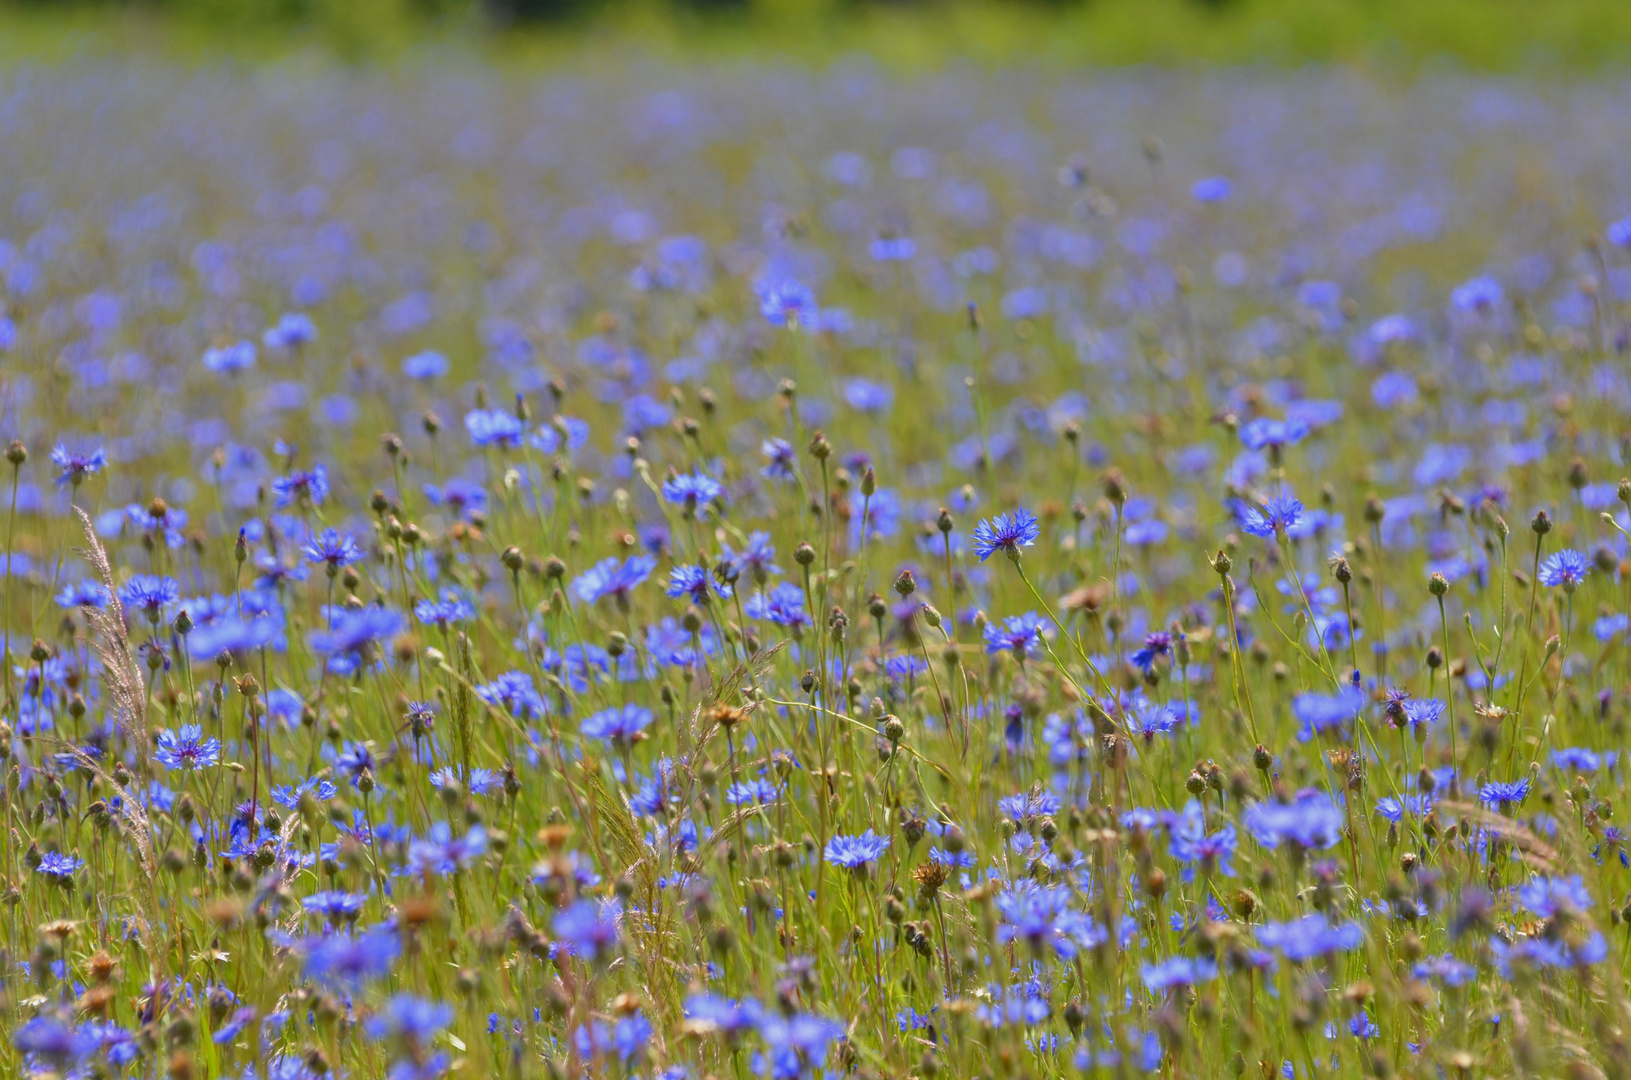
(334, 549)
(515, 692)
(620, 727)
(693, 491)
(1566, 569)
(614, 578)
(186, 748)
(1279, 514)
(588, 929)
(856, 852)
(1018, 634)
(76, 466)
(780, 459)
(782, 605)
(1006, 533)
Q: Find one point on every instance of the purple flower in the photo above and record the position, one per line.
(694, 582)
(613, 578)
(1310, 936)
(1567, 568)
(186, 748)
(1007, 533)
(77, 466)
(588, 929)
(783, 605)
(494, 427)
(1017, 633)
(333, 548)
(779, 459)
(55, 864)
(1179, 971)
(855, 852)
(1279, 513)
(1505, 793)
(621, 727)
(692, 490)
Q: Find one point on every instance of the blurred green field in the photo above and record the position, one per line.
(1571, 36)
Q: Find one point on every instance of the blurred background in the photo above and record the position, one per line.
(1577, 36)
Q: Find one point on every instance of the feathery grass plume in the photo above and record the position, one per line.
(112, 644)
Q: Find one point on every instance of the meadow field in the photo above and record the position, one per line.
(671, 571)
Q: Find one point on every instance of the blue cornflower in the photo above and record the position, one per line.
(694, 582)
(149, 594)
(479, 782)
(1505, 793)
(1326, 712)
(1150, 719)
(1279, 513)
(230, 359)
(1213, 189)
(780, 458)
(291, 331)
(355, 759)
(452, 608)
(758, 558)
(1179, 971)
(230, 635)
(1017, 633)
(588, 929)
(1546, 897)
(443, 853)
(1191, 843)
(335, 904)
(866, 396)
(1027, 806)
(55, 864)
(1577, 759)
(334, 548)
(288, 796)
(1310, 936)
(693, 491)
(515, 692)
(621, 727)
(186, 748)
(301, 487)
(411, 1019)
(1267, 432)
(353, 630)
(783, 605)
(753, 792)
(614, 578)
(1423, 711)
(425, 365)
(77, 466)
(1007, 533)
(1445, 968)
(708, 1014)
(787, 303)
(494, 427)
(1312, 820)
(1567, 568)
(228, 1032)
(83, 594)
(1479, 294)
(1394, 810)
(1156, 644)
(855, 852)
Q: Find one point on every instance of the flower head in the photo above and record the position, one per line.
(1006, 533)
